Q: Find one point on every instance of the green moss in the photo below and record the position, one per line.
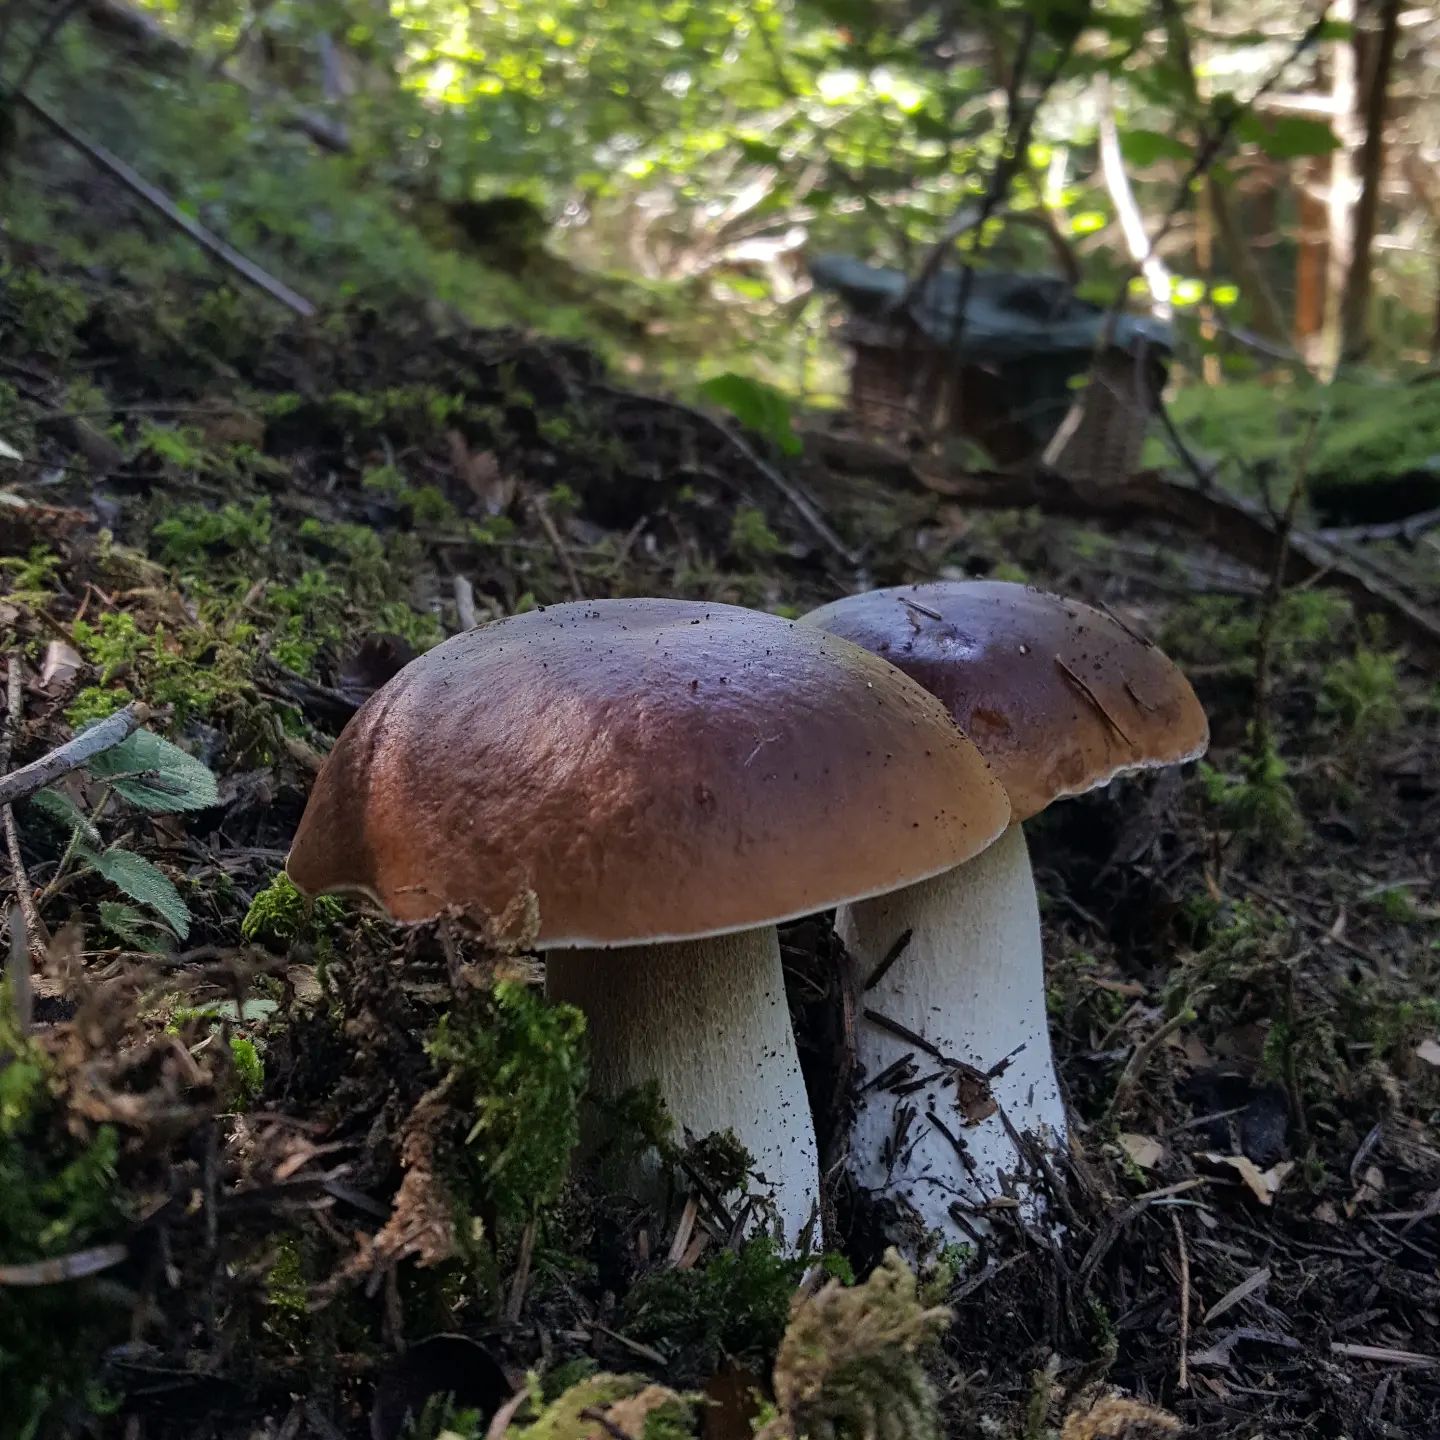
(1362, 693)
(736, 1305)
(752, 541)
(1224, 629)
(520, 1067)
(195, 670)
(1259, 802)
(192, 530)
(58, 1195)
(1367, 434)
(280, 915)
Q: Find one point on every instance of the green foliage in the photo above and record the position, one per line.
(194, 671)
(1258, 803)
(31, 580)
(1225, 628)
(631, 1404)
(58, 1195)
(736, 1305)
(146, 884)
(41, 313)
(249, 1068)
(191, 531)
(280, 915)
(1286, 137)
(521, 1071)
(1362, 693)
(756, 405)
(154, 775)
(752, 540)
(1367, 432)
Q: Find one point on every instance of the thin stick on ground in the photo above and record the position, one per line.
(29, 925)
(24, 782)
(1183, 1379)
(164, 206)
(557, 544)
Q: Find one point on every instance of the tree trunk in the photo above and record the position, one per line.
(1355, 301)
(1310, 263)
(1344, 98)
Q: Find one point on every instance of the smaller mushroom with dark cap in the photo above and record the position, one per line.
(667, 780)
(1060, 698)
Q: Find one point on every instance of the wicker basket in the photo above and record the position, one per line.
(901, 385)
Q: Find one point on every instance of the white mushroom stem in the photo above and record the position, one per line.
(707, 1021)
(970, 983)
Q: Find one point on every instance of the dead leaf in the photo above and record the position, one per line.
(61, 665)
(1144, 1150)
(9, 452)
(1428, 1051)
(1262, 1184)
(1370, 1188)
(482, 473)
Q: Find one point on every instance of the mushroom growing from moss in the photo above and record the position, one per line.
(1060, 698)
(668, 780)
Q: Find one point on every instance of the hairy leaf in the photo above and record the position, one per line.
(155, 775)
(135, 876)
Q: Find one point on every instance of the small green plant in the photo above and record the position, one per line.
(1259, 803)
(1362, 693)
(155, 777)
(752, 541)
(736, 1304)
(249, 1068)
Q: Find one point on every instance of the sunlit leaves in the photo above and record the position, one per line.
(1287, 137)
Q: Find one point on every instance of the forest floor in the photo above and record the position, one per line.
(249, 524)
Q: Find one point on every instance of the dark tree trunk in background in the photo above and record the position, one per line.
(1355, 304)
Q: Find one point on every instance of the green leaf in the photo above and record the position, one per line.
(59, 807)
(127, 923)
(155, 775)
(1145, 147)
(756, 405)
(1287, 137)
(135, 876)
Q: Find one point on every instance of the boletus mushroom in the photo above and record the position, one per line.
(667, 780)
(1060, 698)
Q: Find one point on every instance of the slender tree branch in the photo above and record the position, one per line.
(74, 753)
(160, 202)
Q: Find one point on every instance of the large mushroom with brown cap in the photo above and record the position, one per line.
(662, 781)
(1060, 698)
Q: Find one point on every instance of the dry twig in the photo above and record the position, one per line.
(22, 783)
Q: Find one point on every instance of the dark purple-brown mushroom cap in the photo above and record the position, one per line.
(1059, 697)
(649, 770)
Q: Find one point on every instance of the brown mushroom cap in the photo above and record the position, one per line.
(649, 769)
(1060, 697)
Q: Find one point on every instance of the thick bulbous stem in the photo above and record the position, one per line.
(707, 1021)
(971, 983)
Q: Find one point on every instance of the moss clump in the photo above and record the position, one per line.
(1258, 803)
(58, 1195)
(735, 1305)
(520, 1070)
(849, 1367)
(1374, 450)
(280, 915)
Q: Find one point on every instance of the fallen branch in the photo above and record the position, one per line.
(160, 202)
(24, 782)
(1240, 528)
